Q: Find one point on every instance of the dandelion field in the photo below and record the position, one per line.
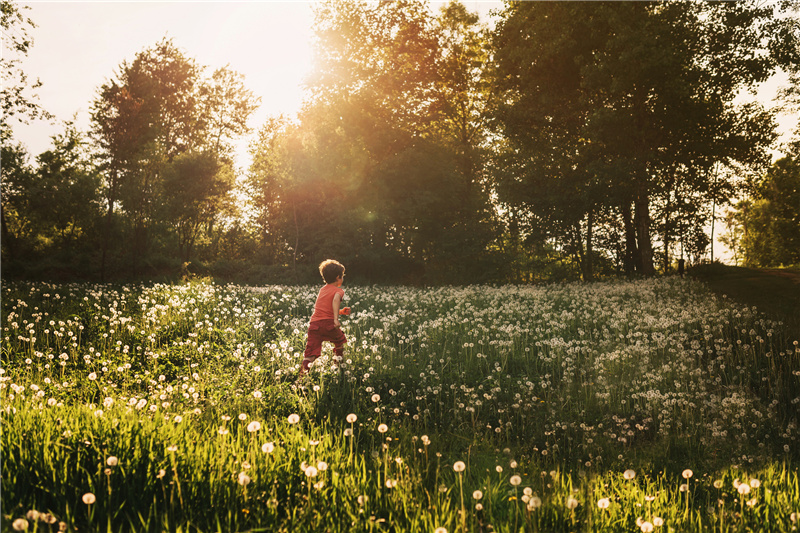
(622, 406)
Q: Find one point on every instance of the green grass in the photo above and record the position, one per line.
(174, 407)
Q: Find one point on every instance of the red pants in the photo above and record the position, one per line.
(318, 332)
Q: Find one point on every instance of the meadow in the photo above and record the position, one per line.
(648, 405)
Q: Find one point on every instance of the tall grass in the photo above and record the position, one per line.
(176, 407)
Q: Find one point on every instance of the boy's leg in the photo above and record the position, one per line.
(313, 349)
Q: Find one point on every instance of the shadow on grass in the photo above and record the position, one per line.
(774, 292)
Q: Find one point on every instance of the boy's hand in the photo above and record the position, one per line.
(337, 323)
(344, 311)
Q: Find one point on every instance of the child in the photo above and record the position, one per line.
(324, 324)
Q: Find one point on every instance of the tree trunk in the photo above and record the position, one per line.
(589, 274)
(631, 251)
(642, 215)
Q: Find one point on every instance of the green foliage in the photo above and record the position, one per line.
(770, 221)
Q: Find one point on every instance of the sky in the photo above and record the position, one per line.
(78, 46)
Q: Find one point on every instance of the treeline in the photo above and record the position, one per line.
(571, 140)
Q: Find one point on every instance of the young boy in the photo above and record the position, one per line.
(324, 324)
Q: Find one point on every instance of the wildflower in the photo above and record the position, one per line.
(603, 503)
(351, 418)
(88, 498)
(293, 418)
(383, 428)
(172, 448)
(362, 499)
(20, 524)
(391, 483)
(178, 419)
(515, 480)
(755, 483)
(243, 479)
(684, 487)
(513, 464)
(658, 521)
(51, 402)
(534, 503)
(112, 461)
(257, 394)
(322, 466)
(242, 417)
(718, 484)
(572, 503)
(267, 447)
(223, 430)
(440, 530)
(629, 474)
(687, 474)
(498, 468)
(459, 466)
(161, 473)
(743, 488)
(253, 426)
(310, 471)
(794, 517)
(479, 507)
(646, 527)
(376, 398)
(92, 376)
(348, 432)
(477, 495)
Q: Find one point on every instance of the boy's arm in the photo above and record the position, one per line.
(337, 300)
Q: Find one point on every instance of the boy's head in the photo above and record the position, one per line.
(331, 270)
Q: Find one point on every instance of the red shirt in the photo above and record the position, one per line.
(323, 309)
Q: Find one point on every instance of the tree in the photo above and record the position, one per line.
(381, 96)
(50, 207)
(626, 93)
(16, 44)
(157, 108)
(195, 187)
(771, 219)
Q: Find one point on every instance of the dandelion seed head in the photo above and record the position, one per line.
(383, 428)
(571, 503)
(351, 418)
(687, 474)
(112, 461)
(88, 498)
(629, 474)
(603, 503)
(293, 418)
(515, 480)
(477, 495)
(459, 466)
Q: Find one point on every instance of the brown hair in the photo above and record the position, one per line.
(331, 270)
